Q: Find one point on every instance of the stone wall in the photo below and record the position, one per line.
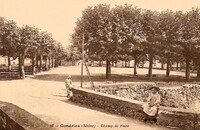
(110, 103)
(6, 123)
(180, 97)
(169, 117)
(13, 117)
(176, 118)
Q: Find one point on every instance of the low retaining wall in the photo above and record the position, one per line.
(178, 97)
(6, 123)
(13, 117)
(184, 120)
(169, 117)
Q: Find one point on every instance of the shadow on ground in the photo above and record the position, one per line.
(77, 78)
(169, 81)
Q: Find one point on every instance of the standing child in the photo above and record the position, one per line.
(68, 84)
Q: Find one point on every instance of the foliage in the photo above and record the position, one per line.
(125, 32)
(27, 41)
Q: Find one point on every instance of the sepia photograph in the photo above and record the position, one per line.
(99, 64)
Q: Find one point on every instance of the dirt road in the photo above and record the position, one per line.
(46, 99)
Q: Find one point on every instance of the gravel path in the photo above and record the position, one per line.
(46, 100)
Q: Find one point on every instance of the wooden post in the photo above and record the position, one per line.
(82, 62)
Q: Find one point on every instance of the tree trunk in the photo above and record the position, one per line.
(143, 64)
(45, 64)
(33, 64)
(150, 66)
(21, 67)
(198, 71)
(168, 67)
(52, 63)
(56, 63)
(177, 65)
(108, 69)
(116, 64)
(193, 68)
(187, 69)
(49, 63)
(100, 64)
(135, 66)
(122, 63)
(37, 63)
(181, 65)
(9, 64)
(162, 66)
(112, 63)
(125, 64)
(41, 63)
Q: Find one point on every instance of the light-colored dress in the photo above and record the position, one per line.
(68, 84)
(153, 102)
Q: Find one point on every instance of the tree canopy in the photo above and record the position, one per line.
(124, 31)
(27, 41)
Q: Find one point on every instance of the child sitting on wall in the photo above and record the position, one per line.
(68, 84)
(151, 107)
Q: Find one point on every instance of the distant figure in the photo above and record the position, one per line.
(68, 84)
(152, 106)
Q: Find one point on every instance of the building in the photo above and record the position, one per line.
(4, 61)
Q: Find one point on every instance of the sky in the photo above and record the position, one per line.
(59, 16)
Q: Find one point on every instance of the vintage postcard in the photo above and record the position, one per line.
(99, 65)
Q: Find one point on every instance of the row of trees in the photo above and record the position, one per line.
(28, 42)
(122, 32)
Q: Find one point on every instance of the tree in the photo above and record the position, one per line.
(29, 42)
(59, 54)
(34, 45)
(168, 49)
(2, 27)
(27, 39)
(123, 32)
(8, 39)
(196, 61)
(151, 32)
(46, 47)
(47, 51)
(188, 37)
(96, 26)
(73, 54)
(127, 32)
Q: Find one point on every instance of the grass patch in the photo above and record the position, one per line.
(160, 80)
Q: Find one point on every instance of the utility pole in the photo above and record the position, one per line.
(82, 61)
